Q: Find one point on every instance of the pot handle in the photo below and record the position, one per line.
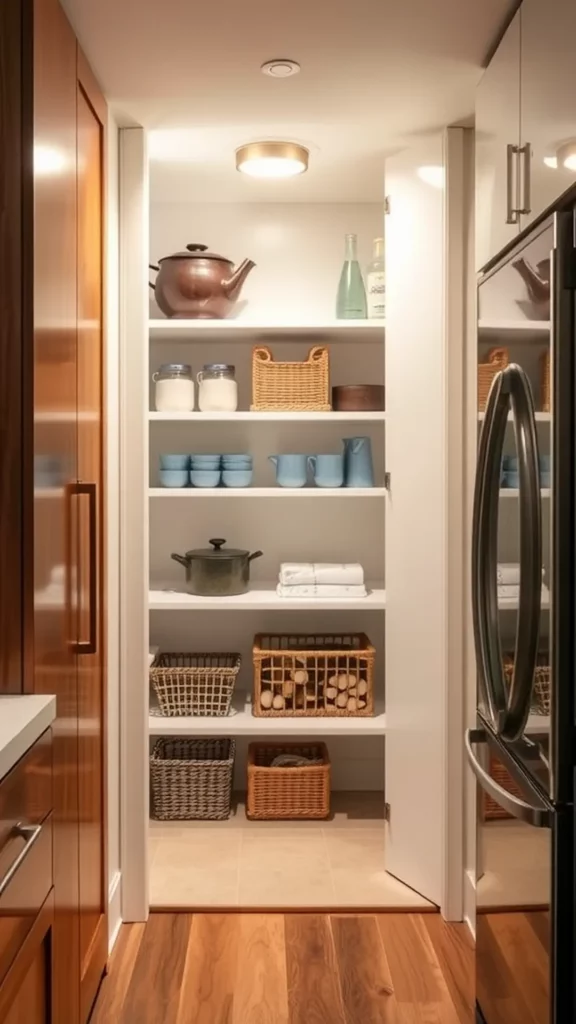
(255, 554)
(273, 459)
(153, 267)
(180, 558)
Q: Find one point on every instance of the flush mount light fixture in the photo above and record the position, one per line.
(272, 159)
(280, 68)
(566, 155)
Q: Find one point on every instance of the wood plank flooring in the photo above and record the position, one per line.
(289, 969)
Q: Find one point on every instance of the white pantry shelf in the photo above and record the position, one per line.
(540, 417)
(243, 330)
(512, 492)
(267, 492)
(267, 417)
(514, 330)
(510, 604)
(263, 597)
(241, 722)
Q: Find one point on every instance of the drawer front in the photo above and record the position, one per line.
(25, 797)
(26, 891)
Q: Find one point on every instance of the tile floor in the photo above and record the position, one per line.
(241, 863)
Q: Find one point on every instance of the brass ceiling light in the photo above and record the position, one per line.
(272, 159)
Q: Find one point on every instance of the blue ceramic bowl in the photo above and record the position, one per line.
(545, 479)
(174, 461)
(173, 477)
(237, 477)
(205, 477)
(204, 466)
(241, 457)
(205, 458)
(235, 466)
(545, 463)
(510, 463)
(511, 479)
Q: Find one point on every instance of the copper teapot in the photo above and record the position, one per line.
(198, 285)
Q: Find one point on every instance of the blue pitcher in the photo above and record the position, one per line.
(358, 466)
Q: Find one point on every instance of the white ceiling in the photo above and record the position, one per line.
(373, 73)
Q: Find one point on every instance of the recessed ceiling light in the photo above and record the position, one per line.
(567, 155)
(432, 174)
(280, 68)
(272, 159)
(551, 161)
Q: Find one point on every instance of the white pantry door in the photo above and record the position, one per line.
(425, 231)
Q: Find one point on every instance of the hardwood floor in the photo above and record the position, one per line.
(289, 969)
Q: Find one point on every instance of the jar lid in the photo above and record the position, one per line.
(215, 551)
(195, 251)
(175, 368)
(218, 368)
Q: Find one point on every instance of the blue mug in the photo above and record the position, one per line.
(328, 470)
(290, 470)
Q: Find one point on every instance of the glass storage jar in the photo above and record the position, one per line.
(174, 388)
(217, 388)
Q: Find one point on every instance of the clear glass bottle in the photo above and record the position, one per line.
(351, 298)
(376, 282)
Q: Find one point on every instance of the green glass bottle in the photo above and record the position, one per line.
(351, 299)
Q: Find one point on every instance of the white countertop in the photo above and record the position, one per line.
(23, 719)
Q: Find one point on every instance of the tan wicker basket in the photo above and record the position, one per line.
(191, 778)
(497, 360)
(194, 684)
(492, 809)
(540, 686)
(291, 387)
(545, 382)
(283, 793)
(300, 675)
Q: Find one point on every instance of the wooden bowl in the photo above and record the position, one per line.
(358, 397)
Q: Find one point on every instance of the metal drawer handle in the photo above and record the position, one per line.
(511, 183)
(537, 816)
(30, 833)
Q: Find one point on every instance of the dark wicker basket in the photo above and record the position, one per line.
(191, 778)
(194, 684)
(276, 794)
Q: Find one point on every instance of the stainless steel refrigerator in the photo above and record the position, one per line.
(522, 750)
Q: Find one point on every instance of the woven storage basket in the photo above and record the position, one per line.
(492, 810)
(283, 793)
(312, 674)
(545, 382)
(191, 778)
(540, 686)
(194, 684)
(497, 360)
(291, 386)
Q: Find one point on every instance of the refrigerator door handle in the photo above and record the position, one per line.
(539, 817)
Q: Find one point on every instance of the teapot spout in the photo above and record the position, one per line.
(538, 286)
(234, 283)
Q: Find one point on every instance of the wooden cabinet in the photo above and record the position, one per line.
(548, 101)
(497, 146)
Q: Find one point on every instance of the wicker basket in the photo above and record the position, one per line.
(283, 793)
(540, 686)
(291, 387)
(493, 811)
(194, 684)
(497, 360)
(191, 778)
(318, 675)
(545, 382)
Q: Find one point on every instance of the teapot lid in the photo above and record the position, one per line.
(215, 551)
(194, 250)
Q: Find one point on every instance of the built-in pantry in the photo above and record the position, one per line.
(268, 491)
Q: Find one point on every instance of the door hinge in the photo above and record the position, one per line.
(387, 207)
(388, 481)
(386, 812)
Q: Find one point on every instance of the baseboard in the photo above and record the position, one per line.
(114, 909)
(470, 901)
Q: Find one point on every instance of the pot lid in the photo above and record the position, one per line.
(194, 250)
(216, 552)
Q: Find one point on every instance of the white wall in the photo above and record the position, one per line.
(112, 526)
(298, 249)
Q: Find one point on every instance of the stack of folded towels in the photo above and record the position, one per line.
(508, 577)
(321, 580)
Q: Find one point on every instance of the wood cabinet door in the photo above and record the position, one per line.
(548, 101)
(497, 129)
(26, 992)
(90, 510)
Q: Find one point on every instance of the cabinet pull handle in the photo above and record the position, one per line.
(511, 183)
(526, 151)
(30, 833)
(90, 646)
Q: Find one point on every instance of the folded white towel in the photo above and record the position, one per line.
(508, 573)
(153, 652)
(513, 591)
(322, 591)
(321, 573)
